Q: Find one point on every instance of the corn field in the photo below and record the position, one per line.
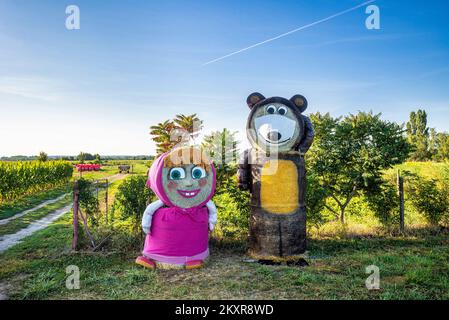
(27, 177)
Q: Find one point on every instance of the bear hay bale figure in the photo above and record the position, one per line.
(274, 172)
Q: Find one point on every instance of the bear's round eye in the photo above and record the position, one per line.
(282, 110)
(177, 174)
(198, 173)
(271, 109)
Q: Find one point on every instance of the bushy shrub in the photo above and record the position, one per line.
(430, 199)
(87, 199)
(131, 200)
(232, 204)
(385, 204)
(233, 211)
(316, 200)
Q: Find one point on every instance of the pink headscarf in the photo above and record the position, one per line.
(154, 181)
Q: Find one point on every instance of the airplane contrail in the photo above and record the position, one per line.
(292, 31)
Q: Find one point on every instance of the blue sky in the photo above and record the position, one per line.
(136, 63)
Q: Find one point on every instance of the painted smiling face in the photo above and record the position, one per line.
(188, 185)
(187, 177)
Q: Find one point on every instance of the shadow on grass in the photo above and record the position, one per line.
(416, 238)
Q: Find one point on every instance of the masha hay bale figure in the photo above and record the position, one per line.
(274, 172)
(177, 225)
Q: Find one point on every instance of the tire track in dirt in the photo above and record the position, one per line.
(39, 206)
(10, 240)
(111, 179)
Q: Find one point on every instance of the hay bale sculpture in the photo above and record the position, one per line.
(177, 225)
(274, 172)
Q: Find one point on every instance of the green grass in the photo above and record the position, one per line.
(139, 167)
(413, 267)
(22, 222)
(16, 224)
(106, 171)
(360, 218)
(10, 209)
(428, 170)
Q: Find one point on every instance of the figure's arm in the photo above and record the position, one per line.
(212, 214)
(148, 215)
(244, 172)
(306, 142)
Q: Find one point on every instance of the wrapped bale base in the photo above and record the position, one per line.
(277, 237)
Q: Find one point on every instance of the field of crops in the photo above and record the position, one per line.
(22, 178)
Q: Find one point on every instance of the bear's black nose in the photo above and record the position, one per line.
(274, 136)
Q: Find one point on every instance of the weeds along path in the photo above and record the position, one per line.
(43, 204)
(111, 179)
(116, 177)
(9, 240)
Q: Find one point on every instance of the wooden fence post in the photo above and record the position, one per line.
(75, 215)
(400, 181)
(106, 200)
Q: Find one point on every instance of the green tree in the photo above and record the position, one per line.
(81, 157)
(232, 202)
(161, 135)
(383, 201)
(190, 126)
(316, 200)
(221, 146)
(84, 156)
(42, 156)
(418, 136)
(87, 199)
(430, 198)
(89, 156)
(179, 131)
(348, 155)
(97, 158)
(432, 144)
(442, 147)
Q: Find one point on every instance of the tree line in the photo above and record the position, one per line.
(347, 160)
(427, 143)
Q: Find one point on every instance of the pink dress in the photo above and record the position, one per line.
(177, 235)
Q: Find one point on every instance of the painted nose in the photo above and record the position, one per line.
(274, 136)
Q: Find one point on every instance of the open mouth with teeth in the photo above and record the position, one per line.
(188, 193)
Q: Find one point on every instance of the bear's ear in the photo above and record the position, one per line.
(254, 98)
(299, 101)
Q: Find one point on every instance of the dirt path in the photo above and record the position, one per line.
(111, 179)
(116, 177)
(10, 240)
(3, 290)
(43, 204)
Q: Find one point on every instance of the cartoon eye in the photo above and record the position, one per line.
(271, 109)
(198, 173)
(177, 174)
(282, 111)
